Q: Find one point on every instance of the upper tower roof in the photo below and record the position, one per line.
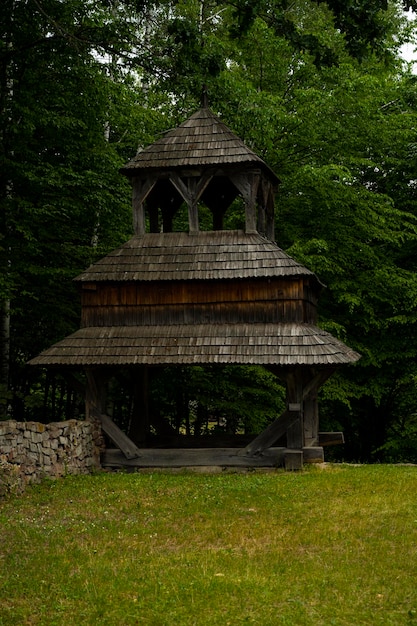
(202, 140)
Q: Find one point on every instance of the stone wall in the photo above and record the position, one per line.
(30, 451)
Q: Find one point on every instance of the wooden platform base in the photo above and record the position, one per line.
(223, 457)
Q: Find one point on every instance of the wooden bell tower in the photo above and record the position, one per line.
(203, 297)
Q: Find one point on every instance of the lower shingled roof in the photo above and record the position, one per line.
(206, 255)
(262, 344)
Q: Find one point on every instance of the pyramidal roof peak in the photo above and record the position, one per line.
(203, 139)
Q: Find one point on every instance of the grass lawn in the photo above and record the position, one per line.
(334, 546)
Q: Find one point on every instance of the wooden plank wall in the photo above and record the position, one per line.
(185, 302)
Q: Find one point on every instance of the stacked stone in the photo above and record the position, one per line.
(30, 451)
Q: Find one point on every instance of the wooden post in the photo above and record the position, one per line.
(266, 217)
(140, 190)
(247, 184)
(293, 459)
(188, 192)
(295, 435)
(262, 207)
(193, 221)
(311, 417)
(313, 379)
(95, 393)
(192, 191)
(251, 204)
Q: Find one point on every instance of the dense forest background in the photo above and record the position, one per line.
(317, 89)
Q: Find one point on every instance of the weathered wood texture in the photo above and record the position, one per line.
(194, 302)
(95, 392)
(331, 439)
(200, 161)
(191, 292)
(202, 298)
(223, 457)
(262, 344)
(119, 438)
(271, 434)
(229, 441)
(203, 139)
(295, 399)
(207, 255)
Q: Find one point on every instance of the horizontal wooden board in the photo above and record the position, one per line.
(192, 457)
(206, 457)
(331, 439)
(221, 313)
(195, 292)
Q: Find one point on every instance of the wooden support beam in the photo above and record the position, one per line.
(211, 457)
(271, 434)
(247, 184)
(191, 191)
(270, 215)
(119, 438)
(251, 205)
(197, 457)
(331, 439)
(262, 201)
(317, 381)
(266, 209)
(95, 392)
(295, 398)
(140, 191)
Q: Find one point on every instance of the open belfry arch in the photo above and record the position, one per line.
(202, 298)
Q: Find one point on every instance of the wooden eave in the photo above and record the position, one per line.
(206, 255)
(262, 344)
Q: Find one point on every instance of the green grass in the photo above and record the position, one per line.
(335, 546)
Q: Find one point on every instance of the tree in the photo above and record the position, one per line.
(338, 130)
(340, 139)
(316, 88)
(63, 203)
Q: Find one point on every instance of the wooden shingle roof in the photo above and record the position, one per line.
(203, 139)
(262, 344)
(199, 256)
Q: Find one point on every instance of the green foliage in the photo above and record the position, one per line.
(204, 400)
(340, 140)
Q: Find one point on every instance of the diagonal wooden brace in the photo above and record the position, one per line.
(117, 436)
(271, 434)
(286, 420)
